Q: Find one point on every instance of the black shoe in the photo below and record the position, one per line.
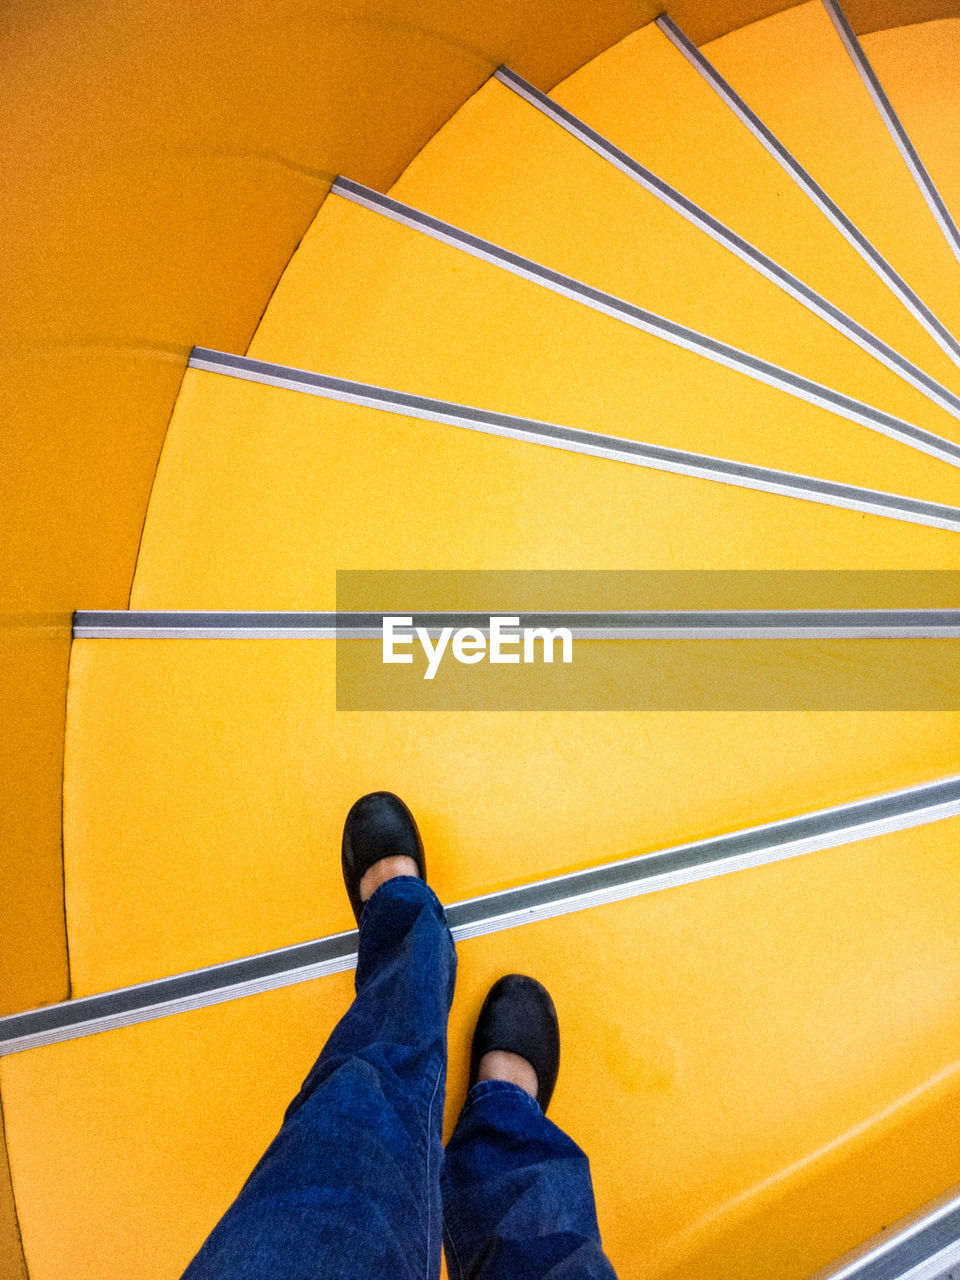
(378, 826)
(518, 1017)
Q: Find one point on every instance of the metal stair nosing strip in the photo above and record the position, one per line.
(828, 207)
(901, 138)
(596, 886)
(921, 1247)
(767, 624)
(572, 439)
(649, 322)
(736, 244)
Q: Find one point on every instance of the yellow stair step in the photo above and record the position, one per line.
(206, 784)
(504, 171)
(429, 318)
(646, 97)
(263, 493)
(894, 125)
(919, 68)
(235, 523)
(764, 1040)
(780, 65)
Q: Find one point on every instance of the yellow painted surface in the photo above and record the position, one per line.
(919, 67)
(207, 783)
(34, 656)
(78, 464)
(167, 163)
(11, 1254)
(502, 170)
(262, 494)
(878, 15)
(161, 164)
(859, 1185)
(756, 1034)
(425, 317)
(780, 66)
(244, 516)
(645, 97)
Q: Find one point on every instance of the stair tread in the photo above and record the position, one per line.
(206, 783)
(502, 170)
(233, 525)
(413, 313)
(919, 68)
(778, 65)
(754, 995)
(234, 522)
(646, 98)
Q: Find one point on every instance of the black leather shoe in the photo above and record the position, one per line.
(518, 1017)
(378, 826)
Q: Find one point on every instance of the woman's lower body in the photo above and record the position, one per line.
(357, 1185)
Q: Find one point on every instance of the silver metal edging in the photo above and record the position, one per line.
(540, 900)
(577, 633)
(799, 624)
(920, 1247)
(657, 326)
(830, 209)
(615, 448)
(622, 887)
(186, 1004)
(93, 631)
(908, 151)
(864, 632)
(736, 244)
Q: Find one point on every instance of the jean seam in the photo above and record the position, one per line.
(433, 1099)
(448, 1231)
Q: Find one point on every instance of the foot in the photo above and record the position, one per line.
(384, 870)
(380, 841)
(517, 1038)
(500, 1065)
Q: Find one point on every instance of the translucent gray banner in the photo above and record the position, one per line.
(648, 641)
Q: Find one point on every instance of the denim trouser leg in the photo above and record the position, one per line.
(349, 1189)
(517, 1196)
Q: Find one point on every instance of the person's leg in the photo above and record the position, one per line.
(518, 1199)
(349, 1188)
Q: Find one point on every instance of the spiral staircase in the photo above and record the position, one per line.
(695, 308)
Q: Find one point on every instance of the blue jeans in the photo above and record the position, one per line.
(350, 1188)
